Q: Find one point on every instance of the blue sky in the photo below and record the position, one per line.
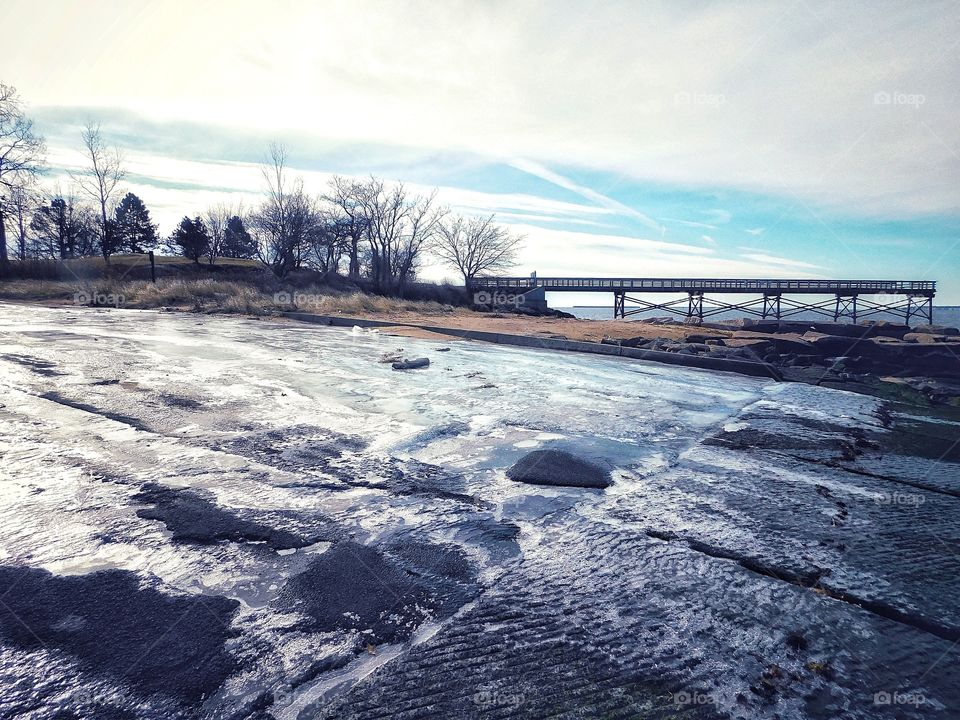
(799, 139)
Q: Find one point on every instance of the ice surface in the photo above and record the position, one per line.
(756, 556)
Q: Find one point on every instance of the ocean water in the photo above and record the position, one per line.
(942, 315)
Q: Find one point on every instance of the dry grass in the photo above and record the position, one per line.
(212, 295)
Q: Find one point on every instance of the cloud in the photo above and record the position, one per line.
(756, 232)
(713, 95)
(692, 223)
(708, 239)
(539, 171)
(780, 262)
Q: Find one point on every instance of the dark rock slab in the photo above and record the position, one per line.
(353, 586)
(191, 517)
(113, 623)
(558, 467)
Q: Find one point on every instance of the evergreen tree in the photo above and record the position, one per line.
(237, 242)
(190, 239)
(134, 232)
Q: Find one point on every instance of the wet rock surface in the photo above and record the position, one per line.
(557, 467)
(191, 517)
(281, 529)
(160, 642)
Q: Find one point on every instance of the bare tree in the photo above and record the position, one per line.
(63, 229)
(101, 182)
(218, 218)
(21, 155)
(286, 219)
(21, 204)
(343, 196)
(399, 227)
(476, 245)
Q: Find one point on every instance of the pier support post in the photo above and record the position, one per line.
(920, 307)
(771, 306)
(695, 305)
(619, 304)
(846, 307)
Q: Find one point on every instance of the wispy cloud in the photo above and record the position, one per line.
(544, 173)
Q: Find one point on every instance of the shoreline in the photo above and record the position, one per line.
(742, 349)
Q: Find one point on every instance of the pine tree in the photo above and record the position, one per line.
(237, 242)
(190, 239)
(133, 231)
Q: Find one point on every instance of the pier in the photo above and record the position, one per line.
(841, 300)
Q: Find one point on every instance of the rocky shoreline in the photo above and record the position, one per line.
(879, 358)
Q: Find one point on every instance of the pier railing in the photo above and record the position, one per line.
(901, 298)
(722, 285)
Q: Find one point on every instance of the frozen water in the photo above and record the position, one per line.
(762, 552)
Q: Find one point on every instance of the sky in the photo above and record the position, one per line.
(698, 139)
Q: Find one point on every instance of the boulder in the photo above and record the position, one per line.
(884, 328)
(783, 344)
(411, 364)
(937, 330)
(836, 344)
(925, 338)
(701, 338)
(558, 468)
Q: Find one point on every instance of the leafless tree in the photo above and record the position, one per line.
(101, 182)
(399, 227)
(328, 240)
(343, 196)
(217, 218)
(476, 245)
(61, 228)
(21, 204)
(287, 218)
(21, 155)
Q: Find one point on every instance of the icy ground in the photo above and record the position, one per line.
(229, 518)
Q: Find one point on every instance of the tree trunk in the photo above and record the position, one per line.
(354, 270)
(4, 260)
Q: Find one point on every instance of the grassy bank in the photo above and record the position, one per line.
(266, 297)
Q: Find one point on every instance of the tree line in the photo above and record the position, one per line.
(362, 228)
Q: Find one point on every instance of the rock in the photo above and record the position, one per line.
(701, 338)
(718, 342)
(392, 357)
(783, 344)
(937, 330)
(835, 344)
(559, 468)
(443, 349)
(925, 338)
(884, 328)
(411, 364)
(752, 349)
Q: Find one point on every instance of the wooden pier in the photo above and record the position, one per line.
(845, 299)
